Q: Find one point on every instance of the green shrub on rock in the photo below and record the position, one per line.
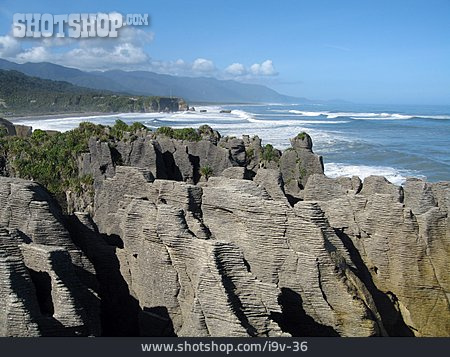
(206, 172)
(166, 131)
(188, 134)
(302, 135)
(269, 153)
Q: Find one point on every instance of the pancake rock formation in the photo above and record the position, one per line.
(260, 244)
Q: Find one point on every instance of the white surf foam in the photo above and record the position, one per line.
(440, 117)
(361, 115)
(306, 113)
(236, 123)
(381, 116)
(397, 177)
(240, 122)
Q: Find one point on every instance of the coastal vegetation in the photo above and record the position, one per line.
(269, 153)
(25, 95)
(51, 158)
(188, 134)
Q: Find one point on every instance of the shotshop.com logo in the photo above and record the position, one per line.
(74, 25)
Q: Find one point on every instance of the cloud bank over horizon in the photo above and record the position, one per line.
(126, 52)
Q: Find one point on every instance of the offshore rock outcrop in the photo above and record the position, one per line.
(260, 248)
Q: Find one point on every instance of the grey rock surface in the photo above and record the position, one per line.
(42, 271)
(6, 124)
(294, 249)
(259, 249)
(298, 163)
(401, 237)
(196, 279)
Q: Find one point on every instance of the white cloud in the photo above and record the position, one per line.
(236, 69)
(35, 54)
(9, 46)
(264, 69)
(56, 41)
(99, 58)
(204, 66)
(88, 54)
(135, 36)
(178, 67)
(128, 52)
(256, 70)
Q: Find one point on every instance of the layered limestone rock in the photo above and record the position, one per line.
(237, 150)
(164, 158)
(298, 163)
(208, 133)
(178, 160)
(260, 248)
(272, 181)
(66, 305)
(98, 162)
(44, 274)
(430, 204)
(296, 250)
(237, 172)
(19, 309)
(27, 207)
(145, 153)
(253, 152)
(205, 154)
(223, 233)
(199, 286)
(401, 236)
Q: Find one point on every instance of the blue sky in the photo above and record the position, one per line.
(363, 51)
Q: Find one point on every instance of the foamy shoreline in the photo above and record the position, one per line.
(20, 119)
(336, 134)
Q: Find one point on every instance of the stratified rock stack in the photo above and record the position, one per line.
(298, 251)
(44, 276)
(19, 309)
(196, 283)
(182, 160)
(400, 238)
(257, 247)
(298, 163)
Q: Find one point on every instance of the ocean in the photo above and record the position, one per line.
(393, 141)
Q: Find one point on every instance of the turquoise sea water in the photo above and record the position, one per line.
(393, 141)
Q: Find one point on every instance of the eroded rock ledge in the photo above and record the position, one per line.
(260, 248)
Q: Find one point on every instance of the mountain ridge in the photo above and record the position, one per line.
(193, 89)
